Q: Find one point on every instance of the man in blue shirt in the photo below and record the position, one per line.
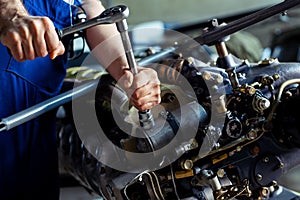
(32, 69)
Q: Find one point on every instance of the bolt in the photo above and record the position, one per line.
(276, 76)
(259, 177)
(274, 183)
(252, 134)
(266, 159)
(281, 165)
(206, 75)
(190, 60)
(221, 173)
(251, 90)
(214, 22)
(265, 192)
(187, 164)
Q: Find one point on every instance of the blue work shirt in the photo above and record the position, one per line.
(28, 153)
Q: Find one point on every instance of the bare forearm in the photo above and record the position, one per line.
(106, 44)
(105, 41)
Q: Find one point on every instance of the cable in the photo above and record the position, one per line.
(139, 177)
(173, 181)
(280, 92)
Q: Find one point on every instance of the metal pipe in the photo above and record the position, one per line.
(220, 32)
(45, 106)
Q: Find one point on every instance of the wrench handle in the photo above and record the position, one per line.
(145, 117)
(122, 28)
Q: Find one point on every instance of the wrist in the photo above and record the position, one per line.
(118, 68)
(10, 10)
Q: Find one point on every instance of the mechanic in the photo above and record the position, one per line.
(32, 69)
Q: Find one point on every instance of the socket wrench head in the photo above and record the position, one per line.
(115, 14)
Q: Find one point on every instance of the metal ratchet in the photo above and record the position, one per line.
(108, 16)
(145, 117)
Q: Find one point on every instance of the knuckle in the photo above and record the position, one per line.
(40, 50)
(17, 56)
(39, 25)
(61, 48)
(14, 37)
(135, 95)
(46, 22)
(43, 52)
(30, 55)
(34, 27)
(24, 32)
(143, 107)
(158, 99)
(139, 103)
(152, 73)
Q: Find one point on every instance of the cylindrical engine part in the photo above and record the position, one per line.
(177, 123)
(260, 103)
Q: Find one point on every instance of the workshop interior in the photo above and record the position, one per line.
(228, 123)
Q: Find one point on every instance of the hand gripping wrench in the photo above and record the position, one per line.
(145, 117)
(118, 15)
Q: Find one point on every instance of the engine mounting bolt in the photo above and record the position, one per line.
(281, 165)
(251, 90)
(214, 87)
(266, 159)
(219, 78)
(276, 76)
(252, 134)
(274, 183)
(221, 173)
(206, 75)
(194, 144)
(259, 177)
(190, 60)
(284, 13)
(164, 114)
(187, 164)
(265, 192)
(214, 22)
